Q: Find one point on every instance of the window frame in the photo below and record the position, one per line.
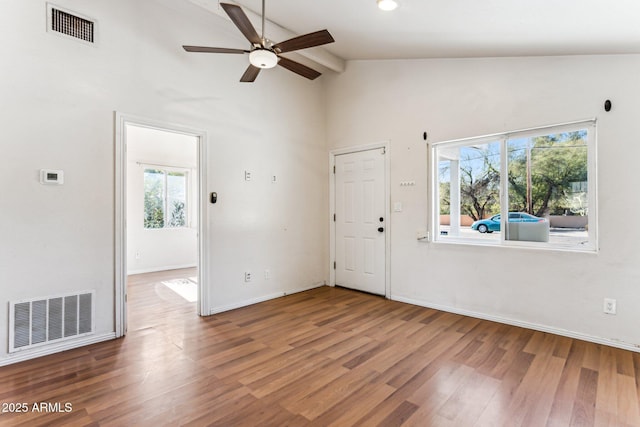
(591, 245)
(166, 171)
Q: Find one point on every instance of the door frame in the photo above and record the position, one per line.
(387, 208)
(121, 121)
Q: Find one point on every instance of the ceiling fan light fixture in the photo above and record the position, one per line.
(263, 58)
(387, 5)
(263, 53)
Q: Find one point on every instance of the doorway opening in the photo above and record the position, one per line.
(159, 215)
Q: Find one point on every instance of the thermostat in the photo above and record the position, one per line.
(50, 176)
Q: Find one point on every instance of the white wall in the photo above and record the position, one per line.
(559, 291)
(58, 99)
(166, 248)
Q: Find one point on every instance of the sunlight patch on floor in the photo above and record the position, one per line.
(186, 288)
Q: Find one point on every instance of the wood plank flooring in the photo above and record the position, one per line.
(325, 357)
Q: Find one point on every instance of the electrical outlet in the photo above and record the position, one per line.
(267, 274)
(609, 306)
(247, 276)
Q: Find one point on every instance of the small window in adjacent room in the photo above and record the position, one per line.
(165, 198)
(532, 188)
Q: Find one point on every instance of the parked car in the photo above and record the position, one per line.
(492, 224)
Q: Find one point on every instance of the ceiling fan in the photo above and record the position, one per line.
(264, 53)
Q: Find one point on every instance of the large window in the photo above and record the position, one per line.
(165, 198)
(525, 188)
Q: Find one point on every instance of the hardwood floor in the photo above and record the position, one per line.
(325, 357)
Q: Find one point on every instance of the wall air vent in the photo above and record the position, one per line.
(41, 321)
(70, 24)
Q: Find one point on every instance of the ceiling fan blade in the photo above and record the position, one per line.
(213, 49)
(242, 22)
(305, 41)
(250, 74)
(298, 68)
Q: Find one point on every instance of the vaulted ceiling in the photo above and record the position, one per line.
(460, 28)
(445, 29)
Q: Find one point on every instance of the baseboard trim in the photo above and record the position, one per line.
(156, 269)
(245, 303)
(527, 325)
(308, 288)
(56, 348)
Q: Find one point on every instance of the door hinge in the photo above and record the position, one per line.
(126, 297)
(334, 217)
(384, 150)
(334, 169)
(334, 265)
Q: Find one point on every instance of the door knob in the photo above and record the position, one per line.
(380, 229)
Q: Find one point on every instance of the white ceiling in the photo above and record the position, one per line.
(462, 28)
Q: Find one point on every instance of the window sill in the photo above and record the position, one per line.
(516, 245)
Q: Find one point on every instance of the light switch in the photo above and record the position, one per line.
(397, 207)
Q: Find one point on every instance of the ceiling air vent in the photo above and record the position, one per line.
(70, 24)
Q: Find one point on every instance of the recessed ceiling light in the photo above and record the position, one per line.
(387, 4)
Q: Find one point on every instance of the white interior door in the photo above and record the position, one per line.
(360, 221)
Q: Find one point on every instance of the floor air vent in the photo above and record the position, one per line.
(70, 24)
(43, 321)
